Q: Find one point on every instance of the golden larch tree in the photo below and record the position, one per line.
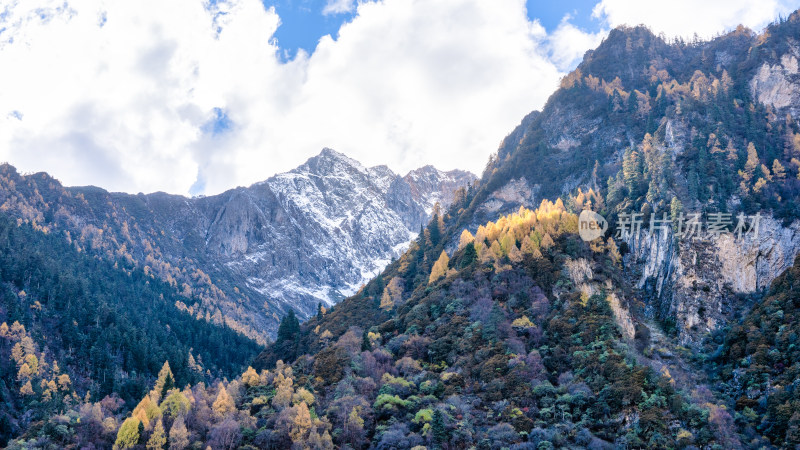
(224, 402)
(439, 267)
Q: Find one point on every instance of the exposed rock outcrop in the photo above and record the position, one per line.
(778, 85)
(699, 283)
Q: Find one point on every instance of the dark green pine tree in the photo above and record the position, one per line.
(469, 256)
(632, 172)
(365, 344)
(438, 429)
(434, 230)
(288, 333)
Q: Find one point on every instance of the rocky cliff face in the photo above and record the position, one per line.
(317, 233)
(431, 186)
(312, 235)
(778, 85)
(701, 284)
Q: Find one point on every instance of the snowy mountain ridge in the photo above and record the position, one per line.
(312, 235)
(344, 224)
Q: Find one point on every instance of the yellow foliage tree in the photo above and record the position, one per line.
(303, 396)
(17, 354)
(796, 144)
(778, 170)
(354, 426)
(527, 246)
(613, 250)
(176, 404)
(158, 439)
(64, 382)
(49, 389)
(301, 424)
(522, 322)
(765, 171)
(250, 377)
(481, 235)
(733, 154)
(24, 372)
(439, 267)
(392, 293)
(507, 242)
(515, 255)
(587, 200)
(26, 388)
(484, 255)
(164, 382)
(284, 391)
(33, 362)
(128, 434)
(496, 251)
(547, 241)
(760, 185)
(466, 238)
(224, 403)
(750, 165)
(147, 410)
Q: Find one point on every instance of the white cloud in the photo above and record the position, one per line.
(115, 93)
(188, 96)
(567, 44)
(338, 6)
(684, 18)
(125, 94)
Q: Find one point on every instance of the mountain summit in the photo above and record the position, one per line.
(245, 257)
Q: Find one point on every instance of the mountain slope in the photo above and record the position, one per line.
(646, 126)
(640, 126)
(524, 337)
(93, 328)
(506, 348)
(244, 257)
(759, 365)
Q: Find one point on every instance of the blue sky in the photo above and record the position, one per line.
(303, 22)
(550, 13)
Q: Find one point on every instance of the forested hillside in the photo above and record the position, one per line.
(514, 341)
(675, 130)
(74, 327)
(758, 365)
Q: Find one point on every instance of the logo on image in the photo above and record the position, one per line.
(591, 225)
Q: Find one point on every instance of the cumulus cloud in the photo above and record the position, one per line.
(684, 18)
(194, 96)
(567, 44)
(116, 93)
